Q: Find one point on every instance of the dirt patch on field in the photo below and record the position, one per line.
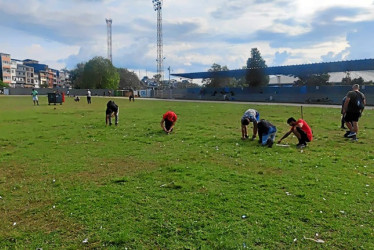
(104, 169)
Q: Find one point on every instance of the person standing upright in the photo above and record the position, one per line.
(88, 96)
(353, 107)
(35, 99)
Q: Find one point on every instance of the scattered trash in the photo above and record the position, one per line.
(294, 240)
(54, 206)
(367, 185)
(282, 145)
(324, 199)
(53, 180)
(321, 212)
(287, 193)
(315, 240)
(15, 223)
(244, 245)
(244, 216)
(1, 197)
(85, 241)
(341, 211)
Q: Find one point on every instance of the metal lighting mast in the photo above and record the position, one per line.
(109, 37)
(157, 4)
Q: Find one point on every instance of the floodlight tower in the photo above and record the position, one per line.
(109, 37)
(157, 4)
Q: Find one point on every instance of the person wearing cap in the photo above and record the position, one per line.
(111, 110)
(168, 121)
(251, 115)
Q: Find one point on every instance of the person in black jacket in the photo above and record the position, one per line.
(352, 109)
(266, 133)
(111, 110)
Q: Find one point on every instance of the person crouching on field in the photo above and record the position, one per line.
(111, 110)
(301, 130)
(253, 116)
(266, 133)
(168, 121)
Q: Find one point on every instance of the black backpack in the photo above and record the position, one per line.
(360, 101)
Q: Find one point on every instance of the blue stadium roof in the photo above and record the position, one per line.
(291, 70)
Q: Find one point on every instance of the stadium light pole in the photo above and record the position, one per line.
(157, 5)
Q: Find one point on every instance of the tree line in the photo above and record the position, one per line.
(99, 73)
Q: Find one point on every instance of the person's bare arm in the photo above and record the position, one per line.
(162, 123)
(345, 106)
(285, 136)
(254, 130)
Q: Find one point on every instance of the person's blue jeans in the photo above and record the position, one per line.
(270, 134)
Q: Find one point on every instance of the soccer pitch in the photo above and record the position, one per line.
(68, 181)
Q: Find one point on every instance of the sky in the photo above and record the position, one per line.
(196, 33)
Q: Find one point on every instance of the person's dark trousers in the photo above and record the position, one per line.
(89, 99)
(116, 119)
(304, 138)
(342, 122)
(168, 124)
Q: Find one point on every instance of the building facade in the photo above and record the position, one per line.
(5, 65)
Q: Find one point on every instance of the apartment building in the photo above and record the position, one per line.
(5, 64)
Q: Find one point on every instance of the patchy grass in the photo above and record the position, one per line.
(66, 179)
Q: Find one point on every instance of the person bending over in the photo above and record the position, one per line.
(168, 121)
(112, 110)
(253, 116)
(266, 133)
(301, 130)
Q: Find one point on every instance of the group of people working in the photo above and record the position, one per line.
(352, 108)
(266, 131)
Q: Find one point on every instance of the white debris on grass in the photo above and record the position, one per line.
(14, 223)
(315, 240)
(341, 211)
(288, 193)
(244, 216)
(294, 240)
(85, 241)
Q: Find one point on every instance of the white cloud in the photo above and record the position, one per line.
(196, 33)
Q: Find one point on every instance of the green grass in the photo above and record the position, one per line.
(65, 177)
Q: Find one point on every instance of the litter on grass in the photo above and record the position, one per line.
(315, 240)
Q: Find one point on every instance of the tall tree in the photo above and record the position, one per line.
(99, 73)
(217, 82)
(255, 74)
(129, 80)
(76, 75)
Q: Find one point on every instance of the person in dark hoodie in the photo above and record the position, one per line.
(266, 133)
(111, 110)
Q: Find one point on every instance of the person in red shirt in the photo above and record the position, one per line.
(301, 130)
(168, 121)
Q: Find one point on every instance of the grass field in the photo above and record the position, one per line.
(67, 181)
